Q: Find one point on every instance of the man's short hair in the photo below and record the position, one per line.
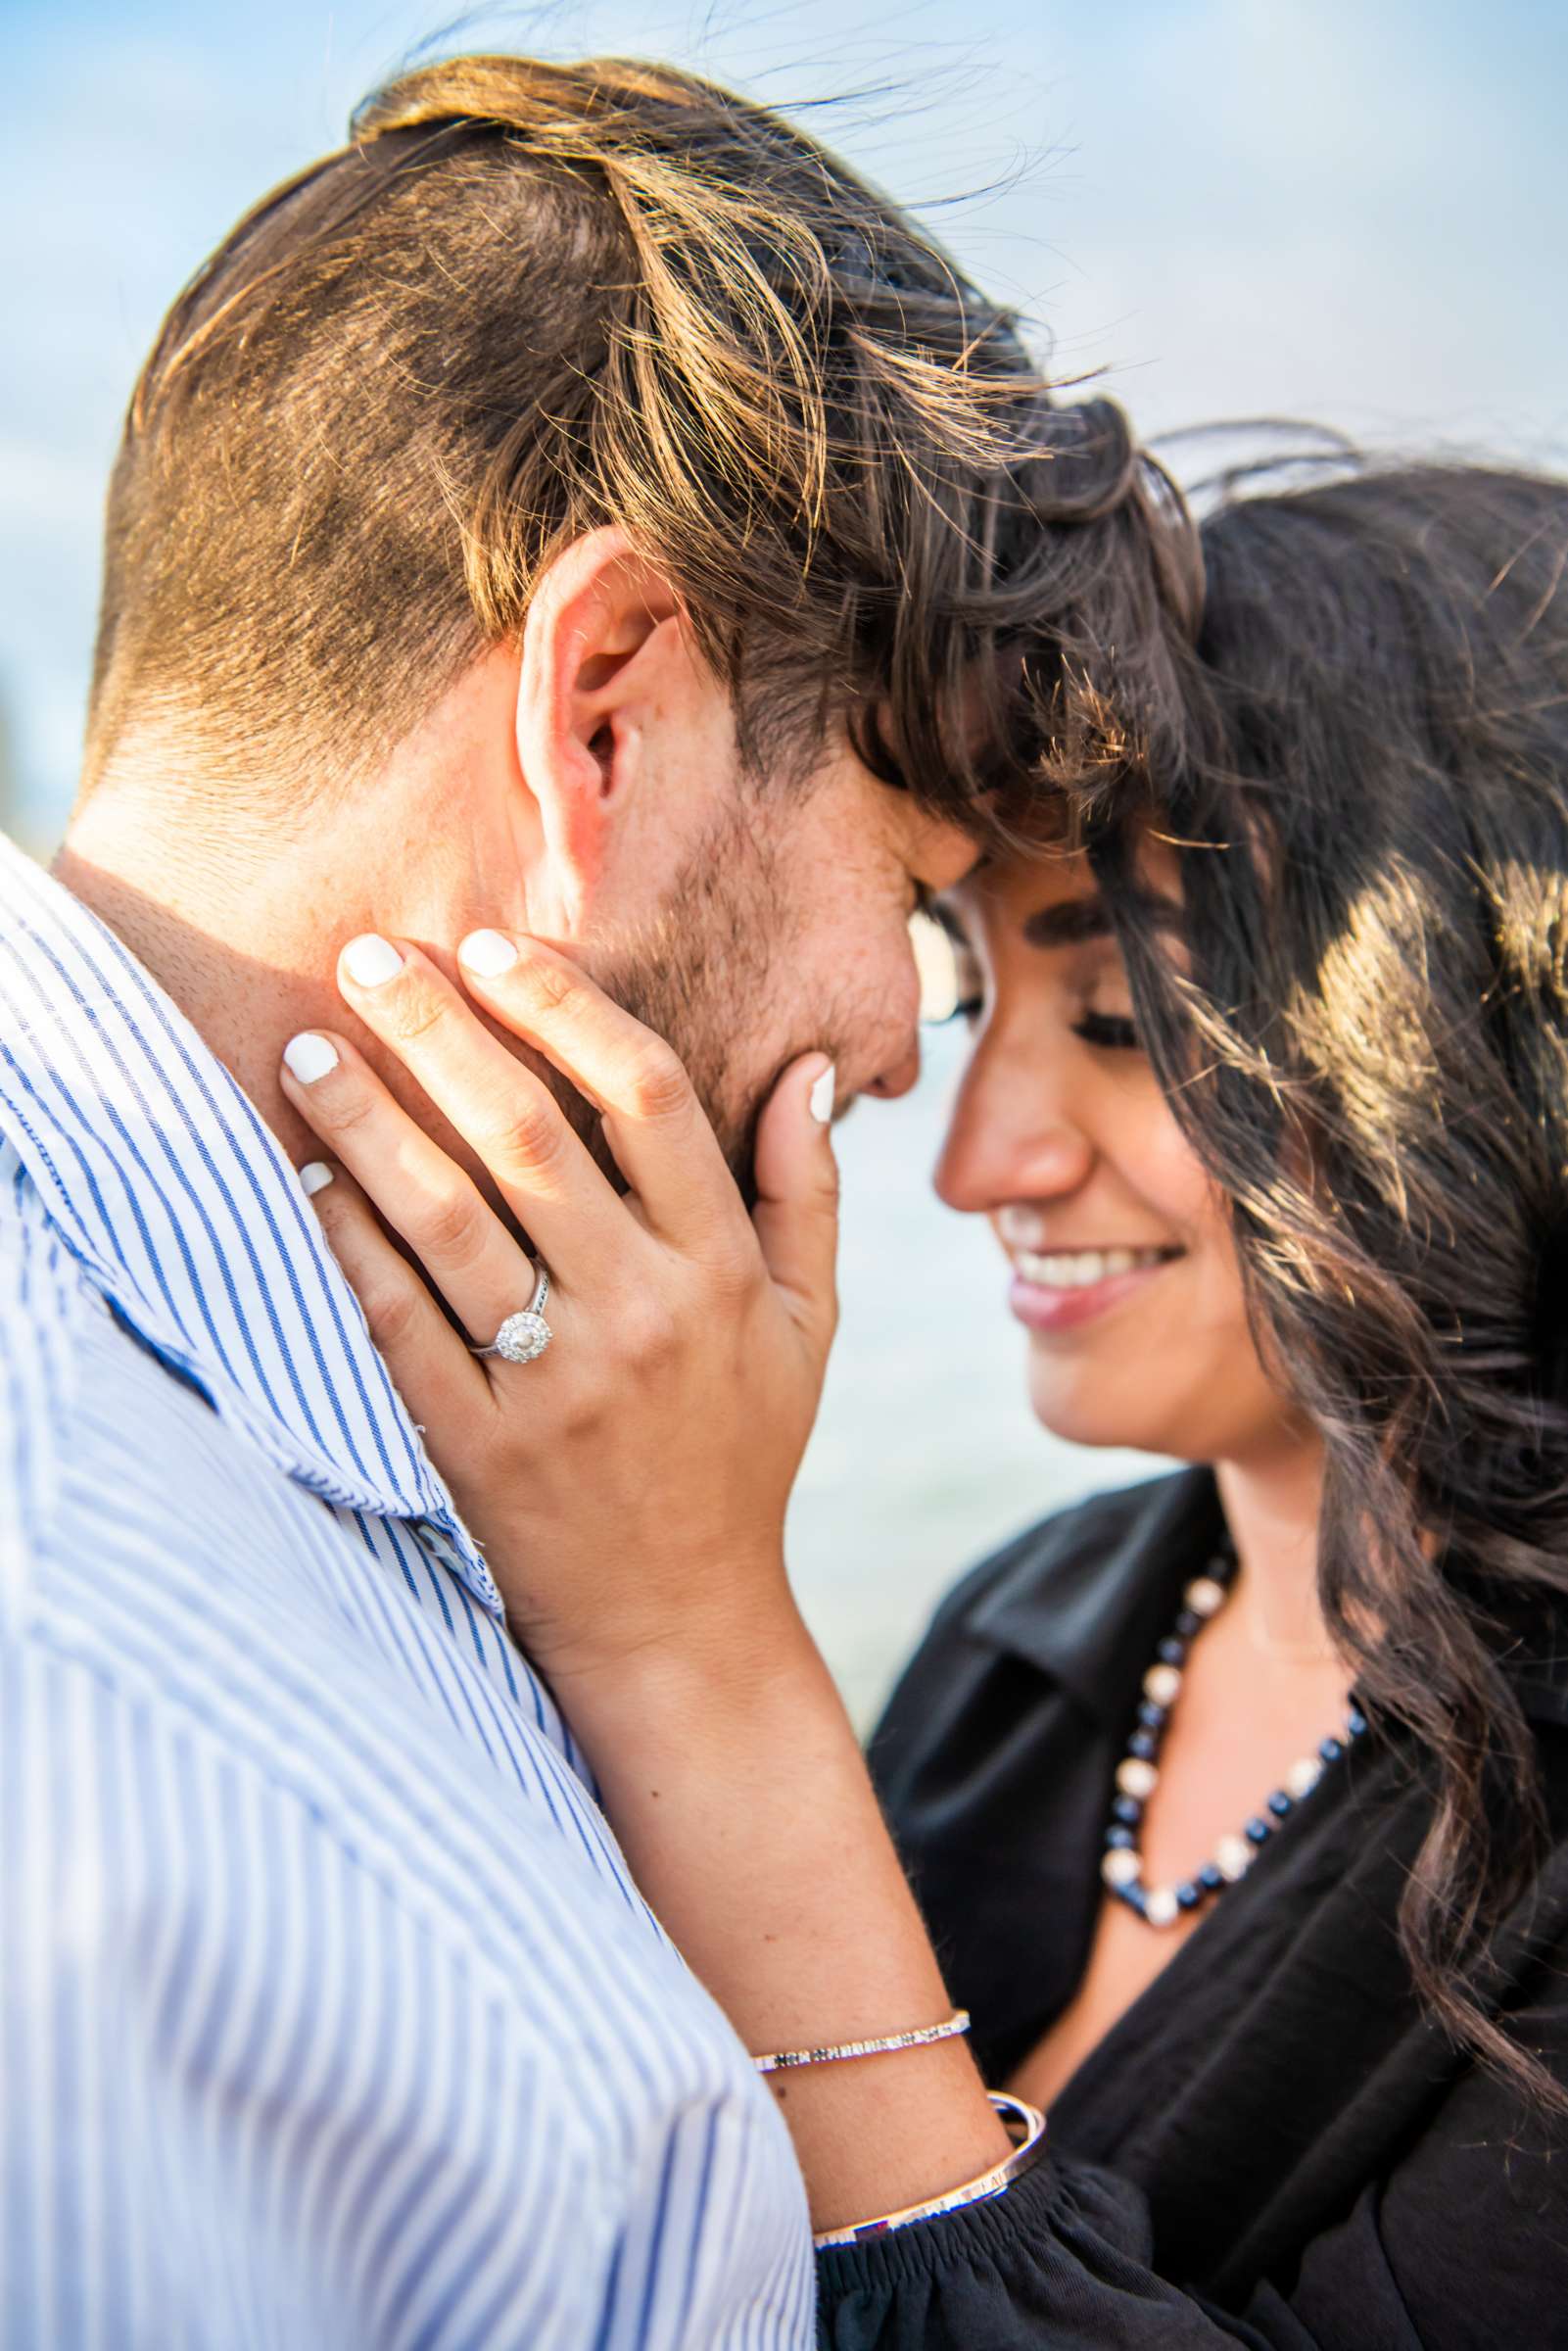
(529, 299)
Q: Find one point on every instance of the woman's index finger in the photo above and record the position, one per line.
(634, 1078)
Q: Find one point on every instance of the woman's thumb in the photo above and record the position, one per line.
(797, 1215)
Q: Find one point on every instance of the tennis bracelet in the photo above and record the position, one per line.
(921, 2038)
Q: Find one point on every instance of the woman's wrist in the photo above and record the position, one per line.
(689, 1677)
(732, 1775)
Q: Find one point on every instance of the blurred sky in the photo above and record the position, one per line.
(1345, 209)
(1350, 211)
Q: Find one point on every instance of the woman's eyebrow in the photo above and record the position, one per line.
(1070, 922)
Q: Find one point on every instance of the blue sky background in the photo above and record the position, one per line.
(1344, 209)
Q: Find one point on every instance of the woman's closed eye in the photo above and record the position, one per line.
(1108, 1031)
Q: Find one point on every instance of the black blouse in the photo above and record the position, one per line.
(1272, 2147)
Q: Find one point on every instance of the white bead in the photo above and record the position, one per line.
(1163, 1682)
(1160, 1907)
(1303, 1777)
(1233, 1857)
(1120, 1867)
(1204, 1596)
(1135, 1777)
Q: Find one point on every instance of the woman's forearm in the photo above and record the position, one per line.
(631, 1498)
(739, 1792)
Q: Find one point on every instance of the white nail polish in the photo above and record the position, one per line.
(487, 953)
(370, 962)
(315, 1175)
(822, 1096)
(310, 1057)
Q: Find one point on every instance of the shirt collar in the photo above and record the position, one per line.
(178, 1201)
(1089, 1597)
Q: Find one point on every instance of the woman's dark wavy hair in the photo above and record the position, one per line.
(1368, 1048)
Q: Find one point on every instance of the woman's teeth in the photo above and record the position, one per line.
(1081, 1268)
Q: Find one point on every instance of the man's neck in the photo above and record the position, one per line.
(240, 953)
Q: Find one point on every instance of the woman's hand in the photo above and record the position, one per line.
(630, 1488)
(629, 1484)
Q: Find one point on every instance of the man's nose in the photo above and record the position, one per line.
(899, 1075)
(1008, 1140)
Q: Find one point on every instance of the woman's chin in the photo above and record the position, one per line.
(1071, 1411)
(1103, 1436)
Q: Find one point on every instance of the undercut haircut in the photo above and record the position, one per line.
(527, 300)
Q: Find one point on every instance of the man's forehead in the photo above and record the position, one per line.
(965, 724)
(938, 849)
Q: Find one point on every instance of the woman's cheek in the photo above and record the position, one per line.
(1159, 1164)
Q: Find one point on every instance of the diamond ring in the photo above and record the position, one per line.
(522, 1337)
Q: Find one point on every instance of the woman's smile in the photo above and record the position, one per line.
(1060, 1289)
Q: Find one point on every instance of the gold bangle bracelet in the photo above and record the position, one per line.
(1029, 2129)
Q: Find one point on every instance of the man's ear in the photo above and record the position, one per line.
(598, 625)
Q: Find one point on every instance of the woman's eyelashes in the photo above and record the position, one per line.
(1106, 1031)
(1112, 1032)
(955, 987)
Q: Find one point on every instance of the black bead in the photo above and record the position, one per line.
(1189, 1897)
(1144, 1745)
(1257, 1832)
(1128, 1809)
(1173, 1652)
(1188, 1624)
(1279, 1804)
(1210, 1877)
(1153, 1717)
(1121, 1837)
(1331, 1750)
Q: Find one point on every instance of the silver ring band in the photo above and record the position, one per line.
(523, 1337)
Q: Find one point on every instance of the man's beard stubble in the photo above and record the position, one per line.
(699, 976)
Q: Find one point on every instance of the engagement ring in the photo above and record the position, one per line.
(522, 1337)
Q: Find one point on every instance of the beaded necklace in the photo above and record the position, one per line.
(1138, 1774)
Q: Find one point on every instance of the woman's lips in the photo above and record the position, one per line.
(1065, 1305)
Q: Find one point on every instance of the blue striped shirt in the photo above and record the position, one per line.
(329, 2014)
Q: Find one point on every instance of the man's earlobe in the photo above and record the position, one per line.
(592, 640)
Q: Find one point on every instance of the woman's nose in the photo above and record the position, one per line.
(1007, 1138)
